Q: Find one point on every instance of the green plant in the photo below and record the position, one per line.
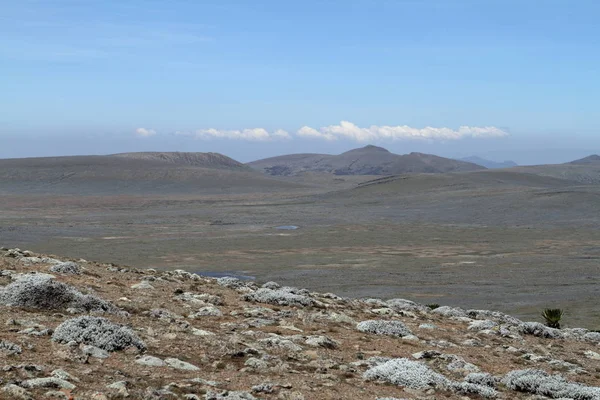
(553, 317)
(433, 306)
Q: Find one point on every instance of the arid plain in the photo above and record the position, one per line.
(515, 240)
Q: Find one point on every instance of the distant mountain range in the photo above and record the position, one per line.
(368, 160)
(488, 163)
(593, 159)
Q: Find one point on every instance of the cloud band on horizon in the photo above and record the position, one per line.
(345, 130)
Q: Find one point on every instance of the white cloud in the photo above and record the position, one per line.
(308, 132)
(253, 134)
(143, 132)
(347, 130)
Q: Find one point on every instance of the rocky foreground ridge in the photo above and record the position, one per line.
(72, 329)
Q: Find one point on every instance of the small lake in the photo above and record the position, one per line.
(224, 274)
(287, 227)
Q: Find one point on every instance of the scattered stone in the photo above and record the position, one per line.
(93, 351)
(9, 348)
(209, 311)
(322, 341)
(143, 285)
(119, 389)
(56, 383)
(150, 361)
(182, 365)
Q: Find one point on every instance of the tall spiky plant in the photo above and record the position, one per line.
(553, 317)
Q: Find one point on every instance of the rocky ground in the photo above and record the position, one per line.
(74, 329)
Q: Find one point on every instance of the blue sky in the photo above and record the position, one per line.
(258, 78)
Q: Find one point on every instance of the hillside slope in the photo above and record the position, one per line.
(368, 160)
(102, 331)
(113, 175)
(206, 160)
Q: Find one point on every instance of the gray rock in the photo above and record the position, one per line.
(47, 383)
(208, 311)
(406, 305)
(150, 361)
(93, 351)
(182, 365)
(277, 341)
(64, 375)
(322, 341)
(9, 348)
(482, 325)
(540, 330)
(263, 388)
(143, 285)
(119, 389)
(257, 364)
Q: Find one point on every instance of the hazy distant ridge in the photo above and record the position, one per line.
(488, 163)
(368, 160)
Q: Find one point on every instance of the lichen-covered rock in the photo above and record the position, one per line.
(381, 327)
(277, 341)
(540, 330)
(47, 383)
(322, 341)
(406, 305)
(182, 365)
(279, 297)
(407, 373)
(99, 332)
(481, 325)
(66, 268)
(208, 311)
(150, 361)
(9, 348)
(42, 292)
(554, 386)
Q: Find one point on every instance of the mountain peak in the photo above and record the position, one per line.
(368, 149)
